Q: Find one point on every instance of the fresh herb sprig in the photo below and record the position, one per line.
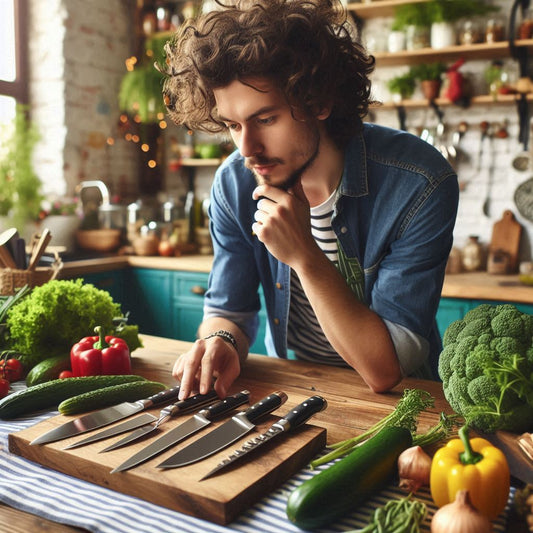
(406, 413)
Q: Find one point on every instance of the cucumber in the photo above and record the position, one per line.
(52, 393)
(125, 392)
(343, 486)
(47, 370)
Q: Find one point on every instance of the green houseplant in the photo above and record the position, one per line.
(20, 187)
(453, 10)
(430, 77)
(402, 85)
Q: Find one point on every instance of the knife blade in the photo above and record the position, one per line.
(106, 416)
(181, 407)
(293, 419)
(200, 420)
(224, 435)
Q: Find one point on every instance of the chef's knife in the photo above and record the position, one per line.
(181, 407)
(104, 417)
(293, 419)
(200, 420)
(224, 435)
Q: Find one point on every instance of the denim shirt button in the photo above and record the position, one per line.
(276, 321)
(278, 285)
(344, 229)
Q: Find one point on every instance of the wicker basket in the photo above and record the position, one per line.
(13, 279)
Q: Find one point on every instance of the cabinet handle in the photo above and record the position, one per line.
(198, 289)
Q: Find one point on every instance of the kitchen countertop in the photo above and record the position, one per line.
(473, 285)
(352, 407)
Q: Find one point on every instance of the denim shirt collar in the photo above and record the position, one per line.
(355, 175)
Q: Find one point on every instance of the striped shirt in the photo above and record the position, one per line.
(304, 335)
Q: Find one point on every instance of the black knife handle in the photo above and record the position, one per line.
(162, 397)
(266, 405)
(303, 412)
(225, 405)
(193, 402)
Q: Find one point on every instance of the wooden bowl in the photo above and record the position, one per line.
(101, 240)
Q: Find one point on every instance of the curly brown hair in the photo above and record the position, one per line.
(307, 47)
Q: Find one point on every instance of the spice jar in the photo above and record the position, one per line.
(472, 254)
(494, 31)
(469, 33)
(525, 31)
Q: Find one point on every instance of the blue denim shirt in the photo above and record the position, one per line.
(395, 213)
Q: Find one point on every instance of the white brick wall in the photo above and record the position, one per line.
(77, 53)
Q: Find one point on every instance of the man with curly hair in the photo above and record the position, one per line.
(346, 225)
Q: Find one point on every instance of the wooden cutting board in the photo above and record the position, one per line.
(506, 238)
(219, 499)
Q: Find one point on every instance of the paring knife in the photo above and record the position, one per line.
(178, 408)
(200, 420)
(106, 416)
(293, 419)
(224, 435)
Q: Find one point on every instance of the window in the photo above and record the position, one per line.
(13, 59)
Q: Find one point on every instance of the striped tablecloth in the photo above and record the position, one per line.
(44, 492)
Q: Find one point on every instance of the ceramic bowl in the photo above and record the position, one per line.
(101, 240)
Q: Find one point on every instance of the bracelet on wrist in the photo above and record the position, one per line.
(224, 335)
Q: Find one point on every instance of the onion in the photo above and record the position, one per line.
(460, 516)
(414, 466)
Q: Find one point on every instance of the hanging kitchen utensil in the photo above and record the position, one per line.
(523, 199)
(522, 161)
(490, 177)
(484, 128)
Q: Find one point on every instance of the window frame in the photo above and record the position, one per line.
(18, 89)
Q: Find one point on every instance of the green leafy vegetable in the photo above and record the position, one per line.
(486, 367)
(56, 315)
(411, 404)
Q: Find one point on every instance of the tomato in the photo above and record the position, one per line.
(65, 374)
(4, 387)
(11, 369)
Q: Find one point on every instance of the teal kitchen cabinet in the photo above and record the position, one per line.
(150, 301)
(451, 309)
(112, 281)
(189, 289)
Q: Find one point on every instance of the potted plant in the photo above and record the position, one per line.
(443, 14)
(430, 77)
(402, 87)
(20, 187)
(413, 19)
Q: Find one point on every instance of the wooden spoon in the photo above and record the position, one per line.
(39, 249)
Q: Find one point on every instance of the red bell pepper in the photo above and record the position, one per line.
(99, 355)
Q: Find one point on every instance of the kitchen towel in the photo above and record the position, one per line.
(44, 492)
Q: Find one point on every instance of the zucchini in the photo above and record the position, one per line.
(47, 370)
(343, 486)
(52, 393)
(125, 392)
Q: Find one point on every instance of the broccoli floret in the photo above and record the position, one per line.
(481, 388)
(487, 370)
(450, 335)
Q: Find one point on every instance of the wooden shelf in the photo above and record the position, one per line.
(197, 162)
(504, 99)
(378, 8)
(473, 51)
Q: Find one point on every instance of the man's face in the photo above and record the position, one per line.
(276, 146)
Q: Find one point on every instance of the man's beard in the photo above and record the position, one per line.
(292, 178)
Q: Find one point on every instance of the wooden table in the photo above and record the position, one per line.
(352, 407)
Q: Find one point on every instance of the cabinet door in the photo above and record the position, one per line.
(451, 309)
(150, 301)
(111, 281)
(188, 303)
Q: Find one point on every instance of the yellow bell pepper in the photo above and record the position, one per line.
(474, 465)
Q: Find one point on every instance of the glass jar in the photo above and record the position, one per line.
(525, 30)
(472, 254)
(469, 33)
(494, 31)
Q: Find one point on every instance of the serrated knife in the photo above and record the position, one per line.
(178, 408)
(200, 420)
(221, 437)
(106, 416)
(293, 419)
